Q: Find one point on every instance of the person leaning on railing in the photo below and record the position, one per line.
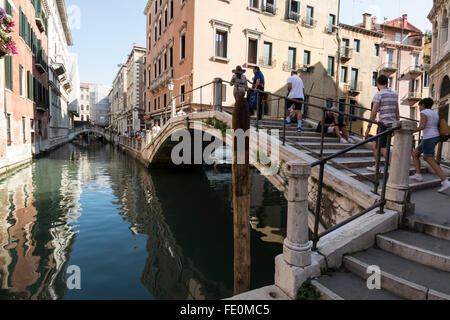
(385, 104)
(429, 122)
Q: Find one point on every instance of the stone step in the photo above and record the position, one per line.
(414, 186)
(423, 225)
(350, 154)
(328, 145)
(300, 138)
(418, 247)
(343, 285)
(402, 277)
(356, 162)
(371, 174)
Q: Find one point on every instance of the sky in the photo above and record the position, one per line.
(104, 31)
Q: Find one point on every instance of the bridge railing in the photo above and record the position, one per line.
(263, 102)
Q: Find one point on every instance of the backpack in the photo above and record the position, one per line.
(444, 130)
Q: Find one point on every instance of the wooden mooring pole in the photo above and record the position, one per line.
(241, 200)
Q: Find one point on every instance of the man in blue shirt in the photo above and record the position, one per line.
(255, 101)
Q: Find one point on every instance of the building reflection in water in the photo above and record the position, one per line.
(186, 216)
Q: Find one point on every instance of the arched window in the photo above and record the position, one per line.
(444, 28)
(445, 87)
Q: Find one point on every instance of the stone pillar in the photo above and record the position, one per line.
(397, 189)
(296, 247)
(297, 263)
(218, 94)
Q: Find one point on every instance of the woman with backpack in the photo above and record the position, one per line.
(429, 124)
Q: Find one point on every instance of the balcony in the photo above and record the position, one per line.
(293, 16)
(415, 95)
(40, 23)
(306, 68)
(331, 29)
(389, 67)
(309, 22)
(415, 71)
(41, 61)
(59, 69)
(289, 67)
(353, 88)
(161, 81)
(346, 53)
(269, 8)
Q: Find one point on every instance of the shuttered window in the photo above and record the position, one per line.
(8, 73)
(21, 79)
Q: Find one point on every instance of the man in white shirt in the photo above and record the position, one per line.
(296, 90)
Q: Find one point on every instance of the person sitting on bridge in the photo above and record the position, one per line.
(429, 120)
(332, 126)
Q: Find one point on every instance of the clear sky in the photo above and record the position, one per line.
(104, 31)
(417, 10)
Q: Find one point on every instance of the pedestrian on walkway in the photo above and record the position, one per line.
(239, 81)
(296, 91)
(385, 104)
(332, 126)
(429, 124)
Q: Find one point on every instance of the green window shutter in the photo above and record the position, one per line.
(9, 73)
(8, 9)
(21, 79)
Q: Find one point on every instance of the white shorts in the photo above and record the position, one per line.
(330, 130)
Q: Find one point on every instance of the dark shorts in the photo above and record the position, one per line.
(383, 139)
(428, 146)
(297, 105)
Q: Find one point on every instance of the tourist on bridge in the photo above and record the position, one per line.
(385, 104)
(429, 123)
(296, 90)
(239, 81)
(332, 126)
(256, 98)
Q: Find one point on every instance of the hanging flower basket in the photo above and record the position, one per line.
(7, 45)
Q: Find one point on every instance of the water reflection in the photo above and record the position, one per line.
(136, 234)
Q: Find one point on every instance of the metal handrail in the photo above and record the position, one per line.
(380, 204)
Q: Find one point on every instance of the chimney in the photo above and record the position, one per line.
(367, 21)
(405, 17)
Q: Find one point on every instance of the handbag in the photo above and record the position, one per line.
(444, 130)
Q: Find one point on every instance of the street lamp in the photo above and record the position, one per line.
(171, 86)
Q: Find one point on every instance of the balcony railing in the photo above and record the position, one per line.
(389, 67)
(289, 67)
(162, 80)
(306, 68)
(346, 53)
(309, 22)
(41, 61)
(414, 95)
(416, 70)
(331, 28)
(269, 8)
(354, 87)
(294, 16)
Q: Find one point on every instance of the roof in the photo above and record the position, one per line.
(398, 23)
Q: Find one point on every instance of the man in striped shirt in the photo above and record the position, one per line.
(384, 103)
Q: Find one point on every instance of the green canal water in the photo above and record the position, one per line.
(134, 233)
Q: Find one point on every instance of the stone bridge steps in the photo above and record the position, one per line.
(344, 285)
(413, 266)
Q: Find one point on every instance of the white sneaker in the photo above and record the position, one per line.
(343, 140)
(417, 177)
(350, 140)
(445, 186)
(373, 168)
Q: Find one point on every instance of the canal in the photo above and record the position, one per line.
(134, 233)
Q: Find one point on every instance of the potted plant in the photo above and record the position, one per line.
(7, 45)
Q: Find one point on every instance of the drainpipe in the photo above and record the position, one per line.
(338, 39)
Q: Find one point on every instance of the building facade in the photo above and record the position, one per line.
(99, 104)
(84, 116)
(192, 42)
(118, 100)
(440, 64)
(60, 80)
(135, 103)
(26, 96)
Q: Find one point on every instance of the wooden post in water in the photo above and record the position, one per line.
(241, 200)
